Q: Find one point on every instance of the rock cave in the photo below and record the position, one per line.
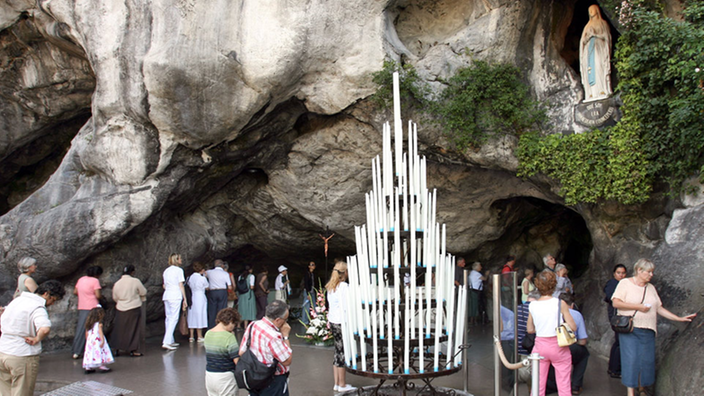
(132, 130)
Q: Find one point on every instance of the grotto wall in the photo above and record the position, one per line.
(214, 128)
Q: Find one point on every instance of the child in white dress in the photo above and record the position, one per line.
(97, 353)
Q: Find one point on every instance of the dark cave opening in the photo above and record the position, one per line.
(533, 228)
(29, 167)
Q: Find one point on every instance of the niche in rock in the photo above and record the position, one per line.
(421, 24)
(30, 166)
(570, 50)
(533, 228)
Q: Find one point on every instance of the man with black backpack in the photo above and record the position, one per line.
(267, 340)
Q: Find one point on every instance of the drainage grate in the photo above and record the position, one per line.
(88, 388)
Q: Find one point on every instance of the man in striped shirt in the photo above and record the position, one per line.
(270, 345)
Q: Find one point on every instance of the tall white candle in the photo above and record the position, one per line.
(389, 341)
(421, 363)
(398, 127)
(397, 264)
(375, 346)
(412, 262)
(404, 192)
(406, 334)
(438, 324)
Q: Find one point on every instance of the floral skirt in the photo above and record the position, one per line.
(338, 357)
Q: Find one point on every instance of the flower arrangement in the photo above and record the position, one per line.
(318, 329)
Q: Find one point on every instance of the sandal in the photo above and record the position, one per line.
(136, 354)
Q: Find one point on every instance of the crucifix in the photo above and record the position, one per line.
(326, 238)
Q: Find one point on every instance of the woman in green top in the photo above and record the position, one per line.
(25, 282)
(221, 354)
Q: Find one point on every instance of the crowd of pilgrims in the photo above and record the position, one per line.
(208, 304)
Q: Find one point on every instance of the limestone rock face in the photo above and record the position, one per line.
(242, 130)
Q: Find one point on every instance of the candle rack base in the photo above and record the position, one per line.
(393, 389)
(403, 385)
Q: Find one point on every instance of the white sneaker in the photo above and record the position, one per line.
(169, 347)
(175, 344)
(334, 388)
(346, 388)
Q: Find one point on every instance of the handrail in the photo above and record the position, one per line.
(502, 356)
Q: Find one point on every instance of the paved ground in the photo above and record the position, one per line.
(181, 372)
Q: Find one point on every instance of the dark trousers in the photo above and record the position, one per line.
(217, 300)
(615, 356)
(507, 376)
(580, 358)
(279, 387)
(79, 339)
(262, 302)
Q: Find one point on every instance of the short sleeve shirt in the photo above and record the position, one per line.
(579, 321)
(218, 278)
(267, 344)
(86, 287)
(627, 291)
(221, 348)
(475, 280)
(172, 277)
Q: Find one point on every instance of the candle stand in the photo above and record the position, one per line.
(403, 384)
(402, 298)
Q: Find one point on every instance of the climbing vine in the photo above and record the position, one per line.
(412, 89)
(661, 134)
(660, 137)
(485, 100)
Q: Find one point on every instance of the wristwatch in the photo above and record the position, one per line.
(285, 338)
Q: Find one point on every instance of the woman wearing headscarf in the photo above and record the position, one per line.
(637, 297)
(128, 332)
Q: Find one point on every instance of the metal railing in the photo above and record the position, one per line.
(499, 356)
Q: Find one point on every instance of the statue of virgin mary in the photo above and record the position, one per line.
(595, 57)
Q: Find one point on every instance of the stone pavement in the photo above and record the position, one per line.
(181, 372)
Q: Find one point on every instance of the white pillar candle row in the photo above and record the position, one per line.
(384, 214)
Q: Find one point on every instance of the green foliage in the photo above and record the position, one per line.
(413, 91)
(662, 92)
(486, 100)
(661, 133)
(590, 166)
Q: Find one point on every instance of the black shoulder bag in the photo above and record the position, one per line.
(622, 323)
(250, 373)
